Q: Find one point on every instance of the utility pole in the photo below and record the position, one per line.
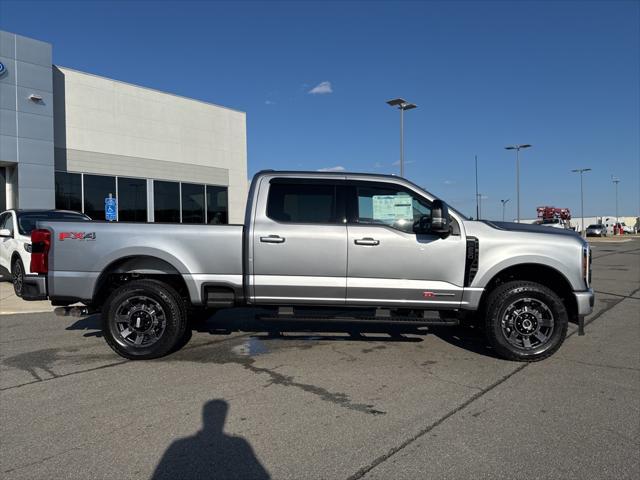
(504, 202)
(517, 148)
(581, 171)
(477, 200)
(616, 181)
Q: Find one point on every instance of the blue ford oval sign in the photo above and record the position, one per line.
(2, 68)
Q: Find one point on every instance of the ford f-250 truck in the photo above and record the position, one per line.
(377, 245)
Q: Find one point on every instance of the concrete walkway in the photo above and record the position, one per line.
(10, 303)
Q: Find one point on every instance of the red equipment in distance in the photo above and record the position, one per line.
(547, 213)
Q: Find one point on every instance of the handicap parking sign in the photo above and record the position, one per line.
(110, 209)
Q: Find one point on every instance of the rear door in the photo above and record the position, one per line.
(389, 264)
(300, 243)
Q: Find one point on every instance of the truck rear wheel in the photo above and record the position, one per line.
(144, 319)
(525, 321)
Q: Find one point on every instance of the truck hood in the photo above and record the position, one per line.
(530, 228)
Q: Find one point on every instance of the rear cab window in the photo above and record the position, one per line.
(303, 202)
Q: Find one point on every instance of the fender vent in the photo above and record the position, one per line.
(471, 262)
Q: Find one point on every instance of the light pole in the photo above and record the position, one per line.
(504, 202)
(402, 106)
(616, 181)
(478, 206)
(517, 148)
(477, 199)
(581, 171)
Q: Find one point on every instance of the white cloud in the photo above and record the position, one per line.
(269, 102)
(449, 182)
(321, 88)
(337, 168)
(378, 165)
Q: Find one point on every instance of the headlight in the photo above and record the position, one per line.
(27, 247)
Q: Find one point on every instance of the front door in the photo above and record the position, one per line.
(6, 223)
(300, 244)
(389, 264)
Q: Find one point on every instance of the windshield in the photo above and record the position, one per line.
(594, 226)
(27, 220)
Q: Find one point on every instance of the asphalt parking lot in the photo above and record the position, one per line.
(340, 402)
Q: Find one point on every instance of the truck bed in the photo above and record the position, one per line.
(200, 253)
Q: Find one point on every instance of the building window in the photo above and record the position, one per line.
(217, 210)
(96, 189)
(132, 199)
(166, 201)
(68, 191)
(192, 203)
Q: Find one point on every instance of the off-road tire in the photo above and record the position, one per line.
(175, 316)
(500, 299)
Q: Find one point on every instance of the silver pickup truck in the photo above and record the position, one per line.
(312, 244)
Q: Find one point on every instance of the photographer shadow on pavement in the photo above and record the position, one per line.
(210, 453)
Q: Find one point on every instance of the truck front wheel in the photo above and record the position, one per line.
(144, 319)
(525, 321)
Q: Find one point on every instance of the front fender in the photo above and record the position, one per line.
(485, 276)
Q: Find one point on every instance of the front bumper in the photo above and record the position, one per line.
(585, 301)
(34, 287)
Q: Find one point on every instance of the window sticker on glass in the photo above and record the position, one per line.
(392, 207)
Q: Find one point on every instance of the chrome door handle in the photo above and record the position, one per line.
(367, 241)
(272, 239)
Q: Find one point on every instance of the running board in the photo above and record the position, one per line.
(432, 318)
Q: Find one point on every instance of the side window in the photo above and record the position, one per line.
(6, 221)
(389, 206)
(302, 203)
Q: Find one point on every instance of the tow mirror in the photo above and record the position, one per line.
(440, 220)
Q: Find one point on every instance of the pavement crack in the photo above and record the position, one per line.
(392, 451)
(603, 365)
(618, 295)
(64, 375)
(382, 458)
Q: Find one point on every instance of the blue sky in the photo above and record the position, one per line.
(563, 76)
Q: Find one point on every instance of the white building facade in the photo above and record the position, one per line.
(70, 139)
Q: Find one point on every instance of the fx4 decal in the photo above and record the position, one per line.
(76, 236)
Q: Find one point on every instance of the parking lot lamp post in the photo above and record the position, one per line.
(504, 202)
(581, 171)
(616, 181)
(402, 105)
(517, 148)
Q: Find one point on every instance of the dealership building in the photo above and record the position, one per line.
(70, 139)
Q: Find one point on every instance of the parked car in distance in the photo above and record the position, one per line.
(314, 244)
(596, 230)
(627, 228)
(15, 240)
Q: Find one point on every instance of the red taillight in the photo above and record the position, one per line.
(40, 243)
